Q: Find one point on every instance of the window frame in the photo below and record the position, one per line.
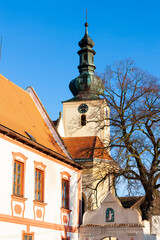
(15, 176)
(37, 181)
(20, 159)
(28, 234)
(39, 166)
(65, 177)
(83, 120)
(65, 193)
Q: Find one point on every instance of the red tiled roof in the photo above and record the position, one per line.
(86, 147)
(18, 112)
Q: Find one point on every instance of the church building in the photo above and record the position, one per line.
(85, 130)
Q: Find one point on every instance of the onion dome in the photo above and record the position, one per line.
(86, 40)
(86, 85)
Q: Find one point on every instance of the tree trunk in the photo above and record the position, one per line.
(147, 205)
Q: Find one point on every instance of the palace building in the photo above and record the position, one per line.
(40, 182)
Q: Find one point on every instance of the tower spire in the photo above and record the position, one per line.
(86, 53)
(86, 85)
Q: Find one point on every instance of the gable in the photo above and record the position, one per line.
(111, 212)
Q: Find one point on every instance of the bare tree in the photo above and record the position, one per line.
(134, 99)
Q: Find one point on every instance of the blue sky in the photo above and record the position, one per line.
(40, 41)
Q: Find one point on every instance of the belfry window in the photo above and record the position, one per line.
(85, 57)
(83, 120)
(80, 58)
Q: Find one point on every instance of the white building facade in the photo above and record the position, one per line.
(22, 213)
(40, 183)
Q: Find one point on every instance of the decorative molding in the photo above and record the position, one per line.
(39, 210)
(18, 205)
(19, 157)
(40, 165)
(40, 204)
(18, 198)
(35, 223)
(65, 175)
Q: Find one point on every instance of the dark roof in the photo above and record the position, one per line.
(128, 202)
(135, 202)
(55, 122)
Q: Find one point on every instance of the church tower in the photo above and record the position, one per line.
(86, 113)
(87, 130)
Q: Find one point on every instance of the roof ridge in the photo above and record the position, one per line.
(65, 150)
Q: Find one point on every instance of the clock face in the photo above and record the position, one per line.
(83, 108)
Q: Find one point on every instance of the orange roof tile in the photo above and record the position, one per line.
(19, 113)
(86, 147)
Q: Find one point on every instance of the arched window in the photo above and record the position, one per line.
(83, 120)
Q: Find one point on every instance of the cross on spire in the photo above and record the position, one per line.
(86, 15)
(86, 24)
